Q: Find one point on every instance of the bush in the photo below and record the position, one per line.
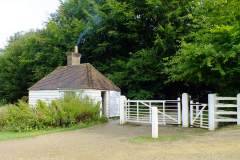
(64, 112)
(20, 117)
(3, 116)
(45, 115)
(72, 109)
(3, 102)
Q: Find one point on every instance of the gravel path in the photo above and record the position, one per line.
(111, 142)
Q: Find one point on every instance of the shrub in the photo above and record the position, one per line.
(3, 102)
(20, 117)
(3, 116)
(45, 115)
(72, 109)
(63, 112)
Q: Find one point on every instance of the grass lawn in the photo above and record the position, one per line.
(174, 135)
(161, 138)
(181, 133)
(7, 135)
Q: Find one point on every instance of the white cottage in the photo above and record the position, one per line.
(79, 78)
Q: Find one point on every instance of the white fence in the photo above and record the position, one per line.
(198, 115)
(140, 111)
(181, 111)
(217, 110)
(224, 110)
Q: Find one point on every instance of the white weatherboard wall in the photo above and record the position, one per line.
(112, 99)
(44, 95)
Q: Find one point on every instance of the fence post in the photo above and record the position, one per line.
(137, 111)
(191, 113)
(197, 108)
(185, 110)
(150, 112)
(211, 111)
(123, 101)
(238, 109)
(164, 113)
(154, 122)
(201, 119)
(179, 110)
(101, 108)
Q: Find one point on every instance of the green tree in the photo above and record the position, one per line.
(210, 54)
(125, 39)
(131, 39)
(30, 56)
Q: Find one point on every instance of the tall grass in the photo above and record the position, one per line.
(65, 112)
(3, 102)
(72, 109)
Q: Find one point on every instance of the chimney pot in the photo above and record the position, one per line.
(76, 49)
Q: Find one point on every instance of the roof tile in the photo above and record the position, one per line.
(83, 76)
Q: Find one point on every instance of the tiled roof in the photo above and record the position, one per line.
(83, 76)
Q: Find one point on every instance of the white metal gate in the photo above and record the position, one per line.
(139, 111)
(198, 115)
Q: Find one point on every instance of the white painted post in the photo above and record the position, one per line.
(201, 119)
(191, 113)
(164, 113)
(179, 110)
(154, 122)
(211, 111)
(197, 108)
(137, 111)
(238, 109)
(127, 113)
(150, 112)
(185, 110)
(101, 108)
(123, 101)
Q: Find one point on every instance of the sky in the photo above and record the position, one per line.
(23, 15)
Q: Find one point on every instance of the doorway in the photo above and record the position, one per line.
(104, 103)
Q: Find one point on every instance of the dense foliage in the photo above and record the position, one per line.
(65, 112)
(149, 48)
(210, 56)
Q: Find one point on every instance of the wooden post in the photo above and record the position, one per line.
(211, 111)
(179, 110)
(123, 103)
(154, 122)
(201, 119)
(137, 111)
(191, 113)
(101, 108)
(150, 112)
(164, 113)
(238, 109)
(197, 107)
(185, 110)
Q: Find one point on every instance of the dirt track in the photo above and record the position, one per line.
(111, 142)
